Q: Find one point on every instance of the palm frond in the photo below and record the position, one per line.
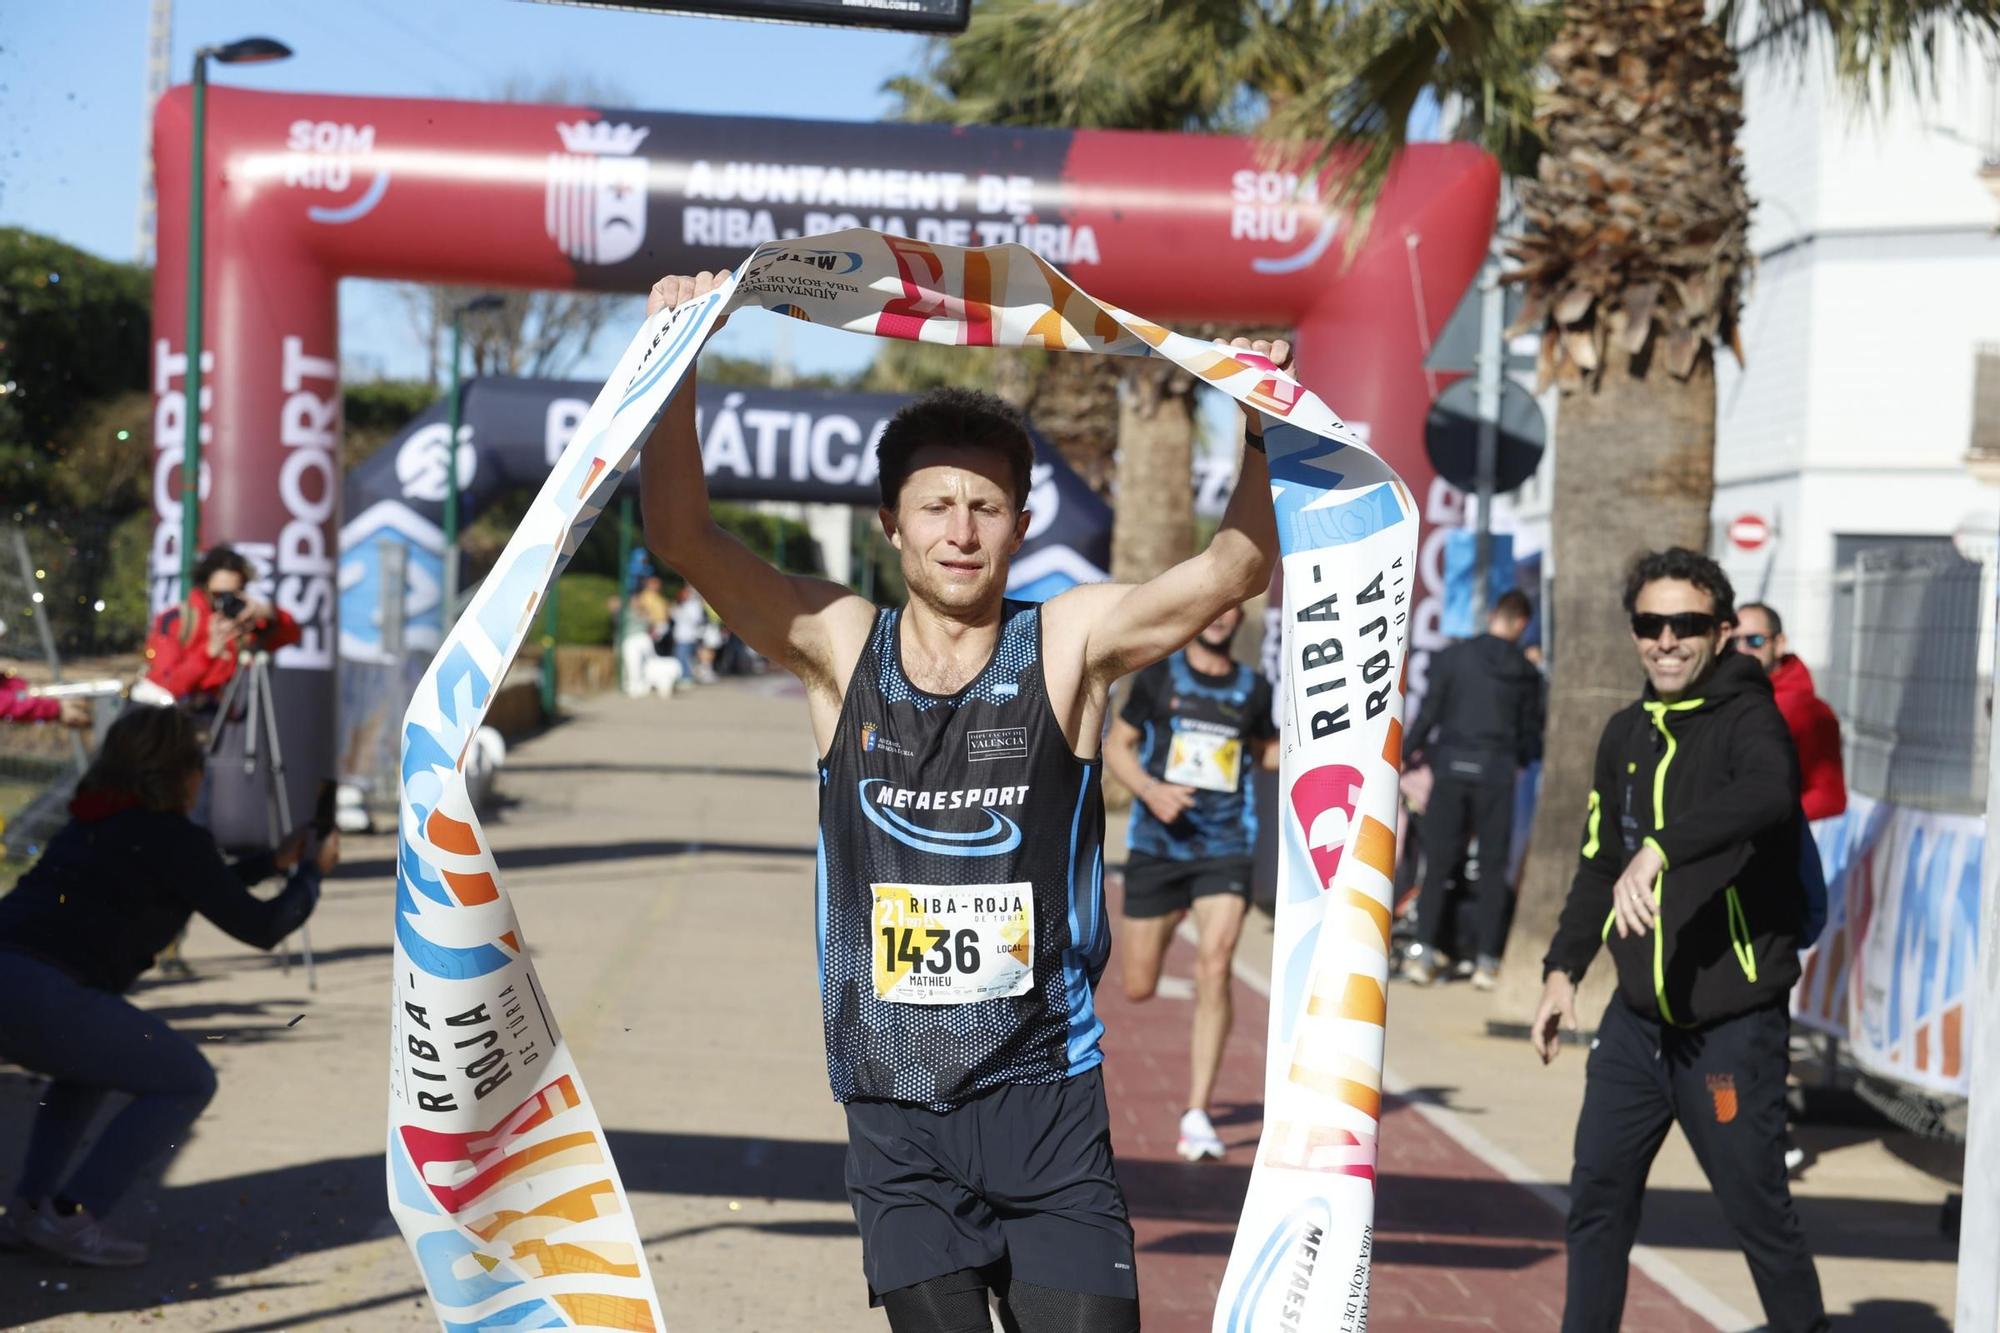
(1345, 79)
(993, 73)
(1873, 44)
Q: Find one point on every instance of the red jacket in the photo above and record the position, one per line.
(1816, 733)
(181, 664)
(16, 705)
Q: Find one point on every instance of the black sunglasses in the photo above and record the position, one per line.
(1743, 641)
(1684, 624)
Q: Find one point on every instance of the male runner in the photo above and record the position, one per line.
(1185, 742)
(961, 925)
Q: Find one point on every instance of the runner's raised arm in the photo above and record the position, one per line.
(804, 624)
(1103, 631)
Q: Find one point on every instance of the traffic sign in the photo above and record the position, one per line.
(1749, 532)
(1451, 436)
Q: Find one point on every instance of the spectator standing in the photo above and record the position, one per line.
(1760, 633)
(690, 626)
(647, 615)
(713, 635)
(1690, 873)
(1480, 724)
(650, 608)
(114, 887)
(1191, 732)
(191, 653)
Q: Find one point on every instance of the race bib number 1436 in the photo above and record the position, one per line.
(953, 944)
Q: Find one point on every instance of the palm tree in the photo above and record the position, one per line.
(1634, 263)
(1029, 62)
(1617, 119)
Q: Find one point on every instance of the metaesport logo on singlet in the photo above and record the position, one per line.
(942, 832)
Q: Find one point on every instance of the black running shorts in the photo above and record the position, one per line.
(1020, 1175)
(1159, 886)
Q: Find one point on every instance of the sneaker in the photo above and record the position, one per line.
(82, 1239)
(1463, 970)
(1418, 968)
(1485, 978)
(1198, 1138)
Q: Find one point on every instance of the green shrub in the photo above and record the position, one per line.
(372, 412)
(583, 611)
(784, 542)
(73, 329)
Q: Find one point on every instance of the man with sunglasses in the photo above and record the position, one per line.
(1690, 874)
(1760, 633)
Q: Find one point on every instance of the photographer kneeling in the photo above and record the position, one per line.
(116, 884)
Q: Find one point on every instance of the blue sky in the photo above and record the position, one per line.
(72, 94)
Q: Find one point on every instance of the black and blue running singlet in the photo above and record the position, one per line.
(1199, 731)
(961, 897)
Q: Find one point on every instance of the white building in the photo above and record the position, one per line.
(1869, 410)
(1877, 292)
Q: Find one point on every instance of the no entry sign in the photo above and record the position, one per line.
(1749, 532)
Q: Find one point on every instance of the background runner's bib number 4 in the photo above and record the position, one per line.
(953, 943)
(1211, 763)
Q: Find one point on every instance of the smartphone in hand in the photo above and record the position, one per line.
(322, 822)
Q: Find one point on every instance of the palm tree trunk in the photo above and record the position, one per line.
(1152, 516)
(1634, 467)
(1074, 402)
(1153, 521)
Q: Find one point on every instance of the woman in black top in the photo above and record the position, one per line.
(114, 887)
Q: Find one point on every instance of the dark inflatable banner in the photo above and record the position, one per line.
(806, 445)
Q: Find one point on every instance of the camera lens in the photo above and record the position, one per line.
(229, 604)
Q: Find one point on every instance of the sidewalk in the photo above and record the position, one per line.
(660, 859)
(1457, 1245)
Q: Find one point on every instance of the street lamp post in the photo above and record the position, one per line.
(456, 412)
(248, 51)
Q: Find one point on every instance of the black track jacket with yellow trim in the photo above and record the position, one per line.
(1713, 783)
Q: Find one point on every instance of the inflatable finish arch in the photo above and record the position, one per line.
(304, 190)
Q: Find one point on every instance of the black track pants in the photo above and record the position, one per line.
(1725, 1084)
(1456, 809)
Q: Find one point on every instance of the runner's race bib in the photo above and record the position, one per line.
(953, 943)
(1200, 759)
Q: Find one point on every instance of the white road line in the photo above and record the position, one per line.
(1653, 1263)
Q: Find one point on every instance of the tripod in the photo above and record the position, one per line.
(251, 686)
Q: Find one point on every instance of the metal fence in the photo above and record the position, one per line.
(1910, 672)
(38, 763)
(74, 601)
(375, 688)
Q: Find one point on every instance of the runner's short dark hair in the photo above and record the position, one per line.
(1770, 614)
(1514, 605)
(960, 418)
(1677, 562)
